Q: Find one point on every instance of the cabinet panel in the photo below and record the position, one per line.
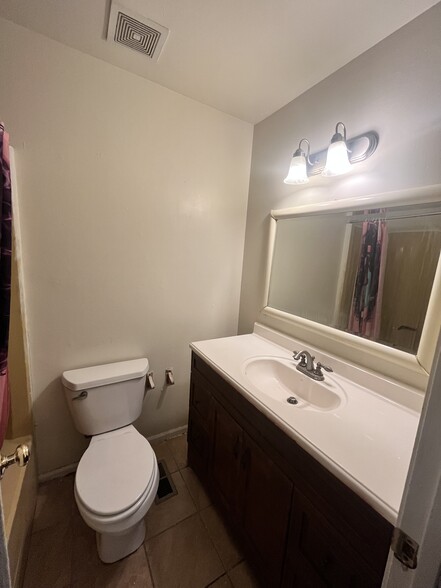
(301, 575)
(225, 463)
(316, 543)
(200, 397)
(198, 445)
(266, 508)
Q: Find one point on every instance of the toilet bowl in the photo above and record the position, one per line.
(117, 477)
(115, 485)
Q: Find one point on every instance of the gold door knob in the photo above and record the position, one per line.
(20, 456)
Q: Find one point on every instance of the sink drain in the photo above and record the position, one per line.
(292, 400)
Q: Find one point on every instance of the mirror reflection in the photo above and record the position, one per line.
(369, 273)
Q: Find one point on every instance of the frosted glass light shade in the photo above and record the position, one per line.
(297, 171)
(337, 161)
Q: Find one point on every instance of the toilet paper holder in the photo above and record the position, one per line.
(150, 381)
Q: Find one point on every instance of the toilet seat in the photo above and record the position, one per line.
(115, 474)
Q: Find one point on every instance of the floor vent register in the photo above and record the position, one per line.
(166, 487)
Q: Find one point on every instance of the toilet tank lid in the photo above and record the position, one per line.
(109, 373)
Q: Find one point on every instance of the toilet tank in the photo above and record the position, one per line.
(105, 397)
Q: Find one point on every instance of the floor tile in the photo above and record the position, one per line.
(55, 503)
(242, 577)
(49, 559)
(166, 514)
(163, 451)
(222, 582)
(88, 571)
(197, 491)
(222, 538)
(178, 446)
(184, 556)
(186, 549)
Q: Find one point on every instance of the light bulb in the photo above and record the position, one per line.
(297, 170)
(337, 161)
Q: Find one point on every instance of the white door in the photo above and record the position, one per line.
(420, 511)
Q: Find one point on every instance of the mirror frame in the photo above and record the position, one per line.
(412, 370)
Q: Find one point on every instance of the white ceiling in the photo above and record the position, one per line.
(247, 58)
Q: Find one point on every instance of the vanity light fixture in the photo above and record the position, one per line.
(297, 173)
(337, 159)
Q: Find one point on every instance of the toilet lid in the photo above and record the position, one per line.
(115, 471)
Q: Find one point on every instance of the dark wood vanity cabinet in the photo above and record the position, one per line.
(319, 556)
(252, 489)
(299, 525)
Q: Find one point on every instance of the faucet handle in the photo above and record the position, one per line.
(320, 367)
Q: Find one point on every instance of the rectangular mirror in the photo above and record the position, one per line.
(368, 270)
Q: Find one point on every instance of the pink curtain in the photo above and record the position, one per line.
(365, 316)
(5, 277)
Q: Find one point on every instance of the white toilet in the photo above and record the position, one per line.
(117, 477)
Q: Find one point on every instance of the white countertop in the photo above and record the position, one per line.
(366, 442)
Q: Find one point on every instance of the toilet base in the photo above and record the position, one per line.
(113, 546)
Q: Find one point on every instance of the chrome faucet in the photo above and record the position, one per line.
(307, 367)
(306, 360)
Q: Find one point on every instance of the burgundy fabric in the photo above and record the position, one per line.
(365, 317)
(5, 277)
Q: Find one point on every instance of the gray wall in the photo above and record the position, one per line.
(394, 89)
(306, 266)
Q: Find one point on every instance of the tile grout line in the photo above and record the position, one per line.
(216, 551)
(148, 564)
(171, 527)
(184, 519)
(198, 511)
(226, 571)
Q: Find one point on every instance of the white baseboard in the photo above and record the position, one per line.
(65, 470)
(168, 434)
(58, 473)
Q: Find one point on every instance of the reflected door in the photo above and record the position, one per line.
(412, 259)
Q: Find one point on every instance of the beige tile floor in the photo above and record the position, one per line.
(187, 545)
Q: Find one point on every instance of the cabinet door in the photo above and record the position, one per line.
(302, 576)
(316, 545)
(198, 445)
(266, 508)
(200, 424)
(225, 464)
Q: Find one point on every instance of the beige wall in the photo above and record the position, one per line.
(133, 203)
(395, 89)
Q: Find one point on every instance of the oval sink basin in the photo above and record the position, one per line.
(279, 379)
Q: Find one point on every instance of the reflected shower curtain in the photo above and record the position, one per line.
(5, 277)
(365, 316)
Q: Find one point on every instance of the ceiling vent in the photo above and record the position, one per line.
(136, 32)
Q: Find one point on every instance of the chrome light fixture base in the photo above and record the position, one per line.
(335, 160)
(360, 148)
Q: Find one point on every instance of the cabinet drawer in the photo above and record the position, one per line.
(315, 542)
